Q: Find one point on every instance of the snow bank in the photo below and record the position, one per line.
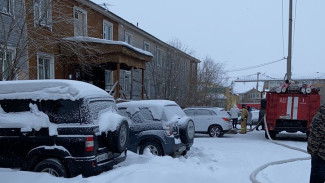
(210, 160)
(34, 119)
(109, 121)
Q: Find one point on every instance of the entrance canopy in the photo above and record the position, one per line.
(89, 50)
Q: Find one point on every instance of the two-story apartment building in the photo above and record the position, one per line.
(78, 39)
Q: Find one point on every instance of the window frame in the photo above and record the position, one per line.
(147, 87)
(3, 59)
(158, 57)
(126, 81)
(145, 45)
(10, 8)
(39, 19)
(111, 26)
(109, 83)
(85, 24)
(127, 37)
(50, 57)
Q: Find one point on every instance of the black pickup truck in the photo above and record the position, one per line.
(56, 126)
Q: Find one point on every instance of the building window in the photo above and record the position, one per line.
(43, 13)
(108, 80)
(127, 38)
(107, 30)
(147, 87)
(186, 68)
(158, 57)
(6, 6)
(146, 46)
(126, 81)
(253, 96)
(6, 57)
(80, 22)
(45, 66)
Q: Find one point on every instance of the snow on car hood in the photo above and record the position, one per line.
(109, 121)
(26, 121)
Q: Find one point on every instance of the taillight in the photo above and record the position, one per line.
(89, 144)
(168, 129)
(226, 119)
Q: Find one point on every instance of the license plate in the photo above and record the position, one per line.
(102, 157)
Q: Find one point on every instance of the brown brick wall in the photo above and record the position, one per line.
(46, 41)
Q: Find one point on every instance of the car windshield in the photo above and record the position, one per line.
(173, 110)
(98, 106)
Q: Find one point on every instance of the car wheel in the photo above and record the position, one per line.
(154, 148)
(118, 140)
(52, 166)
(215, 131)
(187, 132)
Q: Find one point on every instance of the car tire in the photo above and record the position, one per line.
(52, 166)
(187, 132)
(118, 140)
(154, 148)
(215, 130)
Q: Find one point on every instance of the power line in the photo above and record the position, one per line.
(255, 66)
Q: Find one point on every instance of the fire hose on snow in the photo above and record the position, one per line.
(259, 169)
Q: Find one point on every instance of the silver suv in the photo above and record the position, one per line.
(211, 120)
(160, 125)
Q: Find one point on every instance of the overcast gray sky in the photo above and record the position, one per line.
(238, 33)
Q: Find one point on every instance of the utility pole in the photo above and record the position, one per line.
(289, 43)
(258, 77)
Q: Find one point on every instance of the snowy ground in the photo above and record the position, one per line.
(230, 159)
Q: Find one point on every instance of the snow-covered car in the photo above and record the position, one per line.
(62, 127)
(160, 125)
(211, 120)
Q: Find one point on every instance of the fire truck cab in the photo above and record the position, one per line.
(291, 107)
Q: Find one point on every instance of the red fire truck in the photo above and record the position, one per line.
(291, 107)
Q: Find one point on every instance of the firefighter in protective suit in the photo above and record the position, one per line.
(244, 115)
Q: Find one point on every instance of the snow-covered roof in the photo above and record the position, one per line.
(108, 42)
(49, 90)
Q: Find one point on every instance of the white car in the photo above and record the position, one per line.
(211, 120)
